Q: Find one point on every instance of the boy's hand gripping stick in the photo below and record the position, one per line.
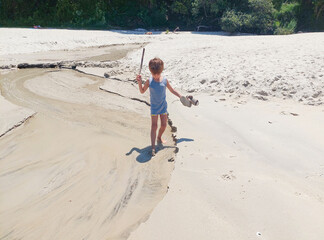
(141, 61)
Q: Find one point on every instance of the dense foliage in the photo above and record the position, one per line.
(252, 16)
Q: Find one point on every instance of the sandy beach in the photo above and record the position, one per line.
(247, 163)
(81, 162)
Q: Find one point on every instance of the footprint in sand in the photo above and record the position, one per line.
(228, 176)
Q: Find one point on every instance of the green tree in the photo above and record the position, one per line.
(262, 16)
(255, 16)
(286, 18)
(65, 11)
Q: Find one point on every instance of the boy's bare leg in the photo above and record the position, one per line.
(164, 119)
(153, 132)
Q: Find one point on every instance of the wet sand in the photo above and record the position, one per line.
(95, 54)
(81, 167)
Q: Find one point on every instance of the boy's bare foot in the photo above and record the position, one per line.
(161, 141)
(153, 152)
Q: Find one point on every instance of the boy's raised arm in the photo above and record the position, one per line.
(172, 90)
(140, 86)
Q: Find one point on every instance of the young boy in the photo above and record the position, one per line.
(157, 85)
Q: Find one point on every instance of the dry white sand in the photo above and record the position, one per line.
(24, 40)
(246, 168)
(285, 67)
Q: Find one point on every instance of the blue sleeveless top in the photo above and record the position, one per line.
(158, 97)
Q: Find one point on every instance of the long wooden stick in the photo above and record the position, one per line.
(142, 61)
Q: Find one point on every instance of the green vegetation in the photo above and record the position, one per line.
(251, 16)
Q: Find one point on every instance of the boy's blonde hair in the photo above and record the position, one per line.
(156, 65)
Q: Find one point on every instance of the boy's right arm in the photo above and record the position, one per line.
(140, 86)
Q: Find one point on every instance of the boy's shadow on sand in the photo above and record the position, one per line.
(145, 154)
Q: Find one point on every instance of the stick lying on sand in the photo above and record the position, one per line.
(142, 61)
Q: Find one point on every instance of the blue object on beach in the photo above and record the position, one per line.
(158, 97)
